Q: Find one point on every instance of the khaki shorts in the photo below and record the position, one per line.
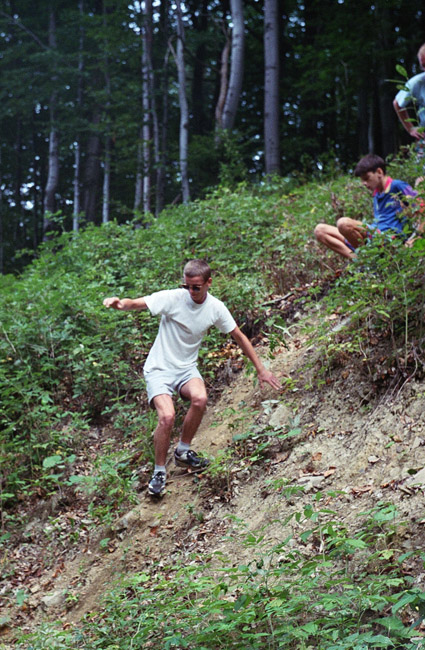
(168, 382)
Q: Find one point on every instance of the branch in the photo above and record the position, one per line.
(16, 22)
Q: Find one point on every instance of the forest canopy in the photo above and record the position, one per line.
(113, 110)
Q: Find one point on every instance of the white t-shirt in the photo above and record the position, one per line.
(414, 93)
(182, 328)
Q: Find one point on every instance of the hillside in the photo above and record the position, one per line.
(306, 531)
(347, 462)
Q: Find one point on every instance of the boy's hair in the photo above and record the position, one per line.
(369, 163)
(197, 267)
(421, 50)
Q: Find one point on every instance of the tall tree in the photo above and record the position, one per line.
(161, 138)
(107, 120)
(1, 223)
(147, 99)
(199, 17)
(149, 132)
(91, 175)
(271, 88)
(79, 103)
(184, 109)
(236, 65)
(53, 160)
(224, 78)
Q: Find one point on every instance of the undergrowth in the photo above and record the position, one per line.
(353, 593)
(67, 364)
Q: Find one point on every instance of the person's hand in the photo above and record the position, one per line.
(409, 243)
(268, 377)
(114, 302)
(418, 134)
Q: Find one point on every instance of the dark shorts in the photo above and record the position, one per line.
(350, 246)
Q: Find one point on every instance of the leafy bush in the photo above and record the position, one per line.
(65, 360)
(280, 598)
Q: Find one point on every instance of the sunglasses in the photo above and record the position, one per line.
(194, 287)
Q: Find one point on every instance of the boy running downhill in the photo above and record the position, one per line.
(171, 366)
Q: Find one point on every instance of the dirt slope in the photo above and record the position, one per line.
(364, 452)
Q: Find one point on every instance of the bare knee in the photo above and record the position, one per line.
(166, 421)
(319, 231)
(345, 224)
(199, 402)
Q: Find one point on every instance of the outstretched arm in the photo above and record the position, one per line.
(264, 375)
(403, 116)
(126, 304)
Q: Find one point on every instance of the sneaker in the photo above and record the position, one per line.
(190, 459)
(156, 485)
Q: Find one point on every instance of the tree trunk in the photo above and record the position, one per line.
(77, 153)
(92, 174)
(200, 24)
(224, 78)
(1, 220)
(161, 144)
(146, 104)
(107, 153)
(271, 88)
(385, 28)
(53, 164)
(236, 65)
(36, 182)
(18, 176)
(138, 185)
(106, 180)
(184, 111)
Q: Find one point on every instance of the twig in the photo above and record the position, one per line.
(272, 302)
(9, 341)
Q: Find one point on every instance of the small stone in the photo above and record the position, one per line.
(128, 519)
(54, 599)
(311, 482)
(418, 478)
(280, 416)
(373, 459)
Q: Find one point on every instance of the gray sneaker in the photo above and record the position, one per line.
(190, 459)
(156, 485)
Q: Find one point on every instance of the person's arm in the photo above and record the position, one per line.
(419, 226)
(264, 375)
(126, 304)
(403, 116)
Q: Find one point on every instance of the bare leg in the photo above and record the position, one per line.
(194, 390)
(332, 238)
(335, 237)
(352, 230)
(161, 437)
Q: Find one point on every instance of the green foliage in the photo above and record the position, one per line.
(281, 597)
(111, 484)
(380, 294)
(66, 362)
(383, 295)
